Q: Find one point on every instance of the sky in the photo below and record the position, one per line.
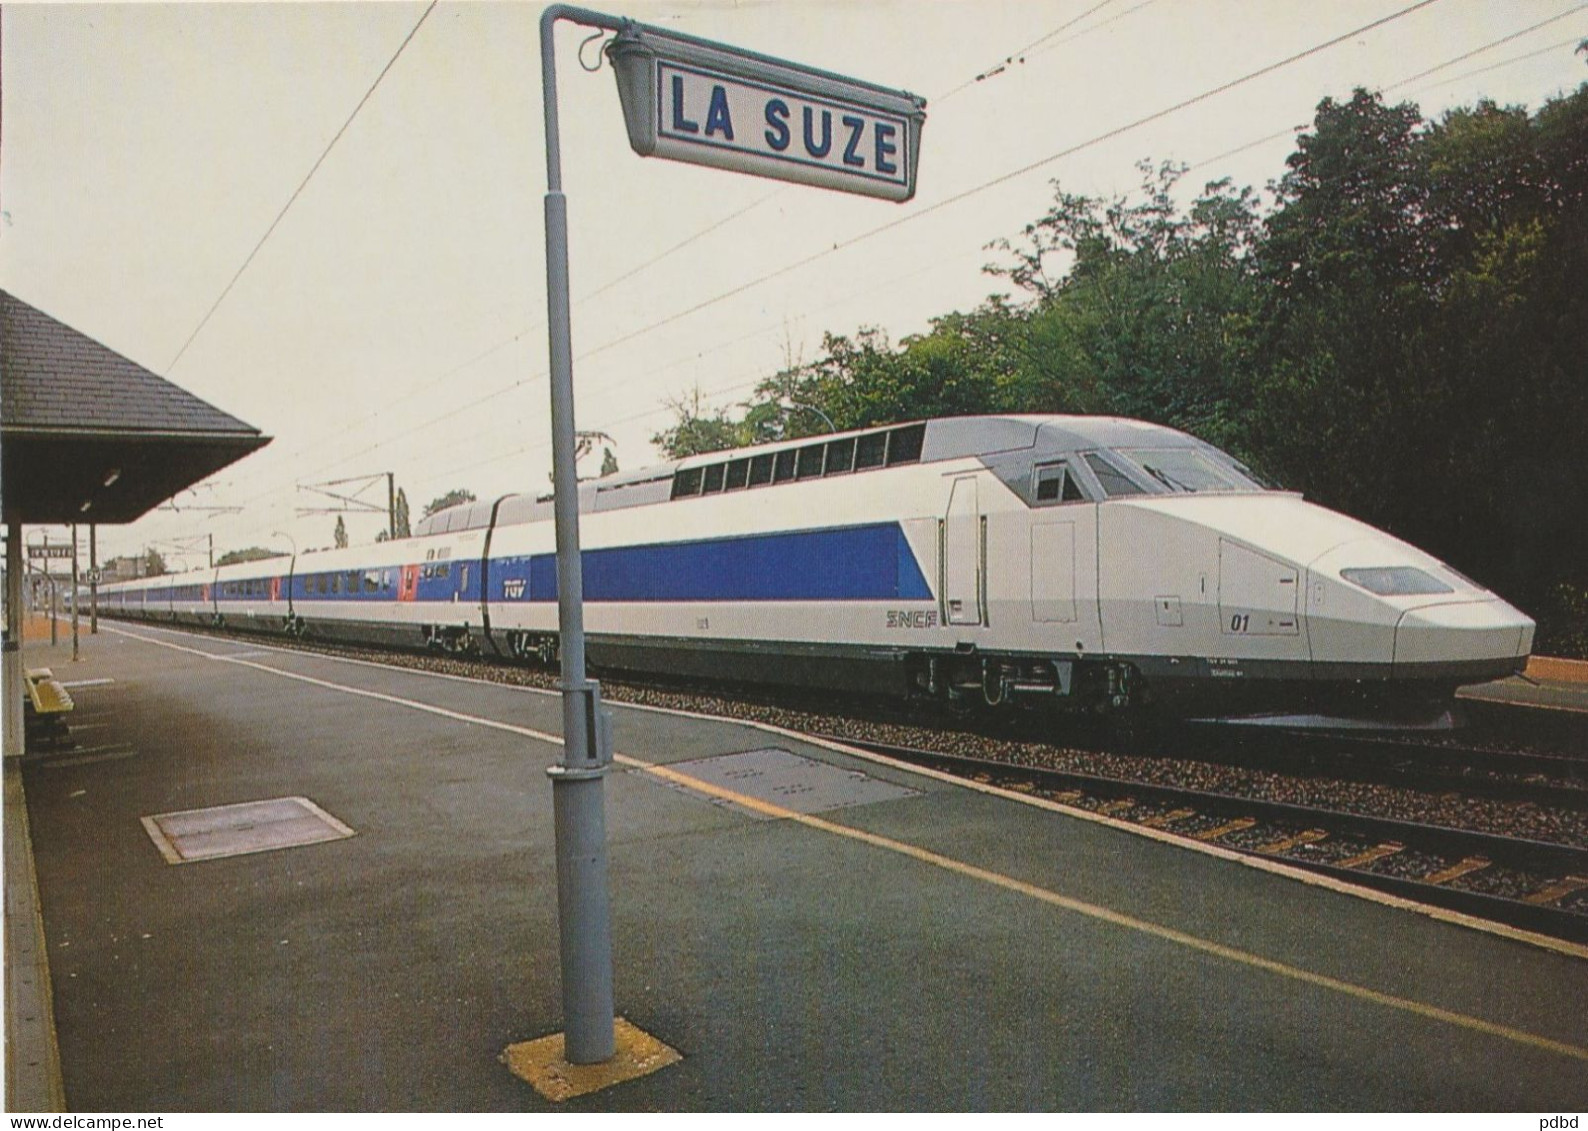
(394, 317)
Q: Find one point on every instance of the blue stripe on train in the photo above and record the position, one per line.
(856, 563)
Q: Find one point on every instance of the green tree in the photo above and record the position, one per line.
(1135, 306)
(609, 463)
(251, 554)
(154, 563)
(401, 507)
(694, 430)
(340, 534)
(451, 499)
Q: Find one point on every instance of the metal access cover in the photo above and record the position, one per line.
(790, 781)
(234, 830)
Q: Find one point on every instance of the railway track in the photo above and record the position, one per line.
(1530, 884)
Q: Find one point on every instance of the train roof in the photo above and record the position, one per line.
(921, 441)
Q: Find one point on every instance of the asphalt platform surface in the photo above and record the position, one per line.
(810, 929)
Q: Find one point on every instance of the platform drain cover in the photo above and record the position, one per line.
(790, 781)
(233, 830)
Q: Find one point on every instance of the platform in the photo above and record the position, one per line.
(1548, 684)
(809, 929)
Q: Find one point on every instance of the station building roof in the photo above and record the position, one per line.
(87, 435)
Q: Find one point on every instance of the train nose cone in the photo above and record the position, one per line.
(1461, 632)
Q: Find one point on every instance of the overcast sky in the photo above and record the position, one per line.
(394, 320)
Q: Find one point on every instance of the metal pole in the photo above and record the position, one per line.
(578, 799)
(75, 601)
(93, 580)
(15, 731)
(55, 632)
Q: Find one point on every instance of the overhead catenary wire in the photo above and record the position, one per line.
(315, 168)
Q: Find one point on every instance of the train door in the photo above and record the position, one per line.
(408, 583)
(963, 557)
(1064, 559)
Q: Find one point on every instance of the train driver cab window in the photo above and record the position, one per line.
(1113, 481)
(1056, 483)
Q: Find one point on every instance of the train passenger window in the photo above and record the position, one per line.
(385, 580)
(760, 470)
(1056, 484)
(336, 583)
(783, 467)
(738, 475)
(1110, 478)
(713, 478)
(320, 584)
(686, 483)
(871, 451)
(372, 581)
(904, 444)
(840, 456)
(810, 460)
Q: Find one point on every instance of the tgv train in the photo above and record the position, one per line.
(1082, 562)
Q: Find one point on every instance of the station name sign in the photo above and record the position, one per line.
(62, 551)
(707, 104)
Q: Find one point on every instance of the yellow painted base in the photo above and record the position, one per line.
(540, 1062)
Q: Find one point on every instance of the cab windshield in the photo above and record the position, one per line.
(1189, 470)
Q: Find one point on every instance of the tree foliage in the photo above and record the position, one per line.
(400, 507)
(250, 554)
(340, 534)
(451, 499)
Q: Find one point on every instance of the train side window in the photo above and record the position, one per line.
(714, 478)
(372, 581)
(1056, 484)
(686, 483)
(904, 444)
(738, 475)
(840, 456)
(320, 584)
(760, 470)
(810, 461)
(336, 583)
(871, 451)
(1113, 481)
(783, 466)
(385, 580)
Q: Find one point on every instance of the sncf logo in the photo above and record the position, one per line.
(917, 618)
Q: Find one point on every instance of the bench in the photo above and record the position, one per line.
(48, 703)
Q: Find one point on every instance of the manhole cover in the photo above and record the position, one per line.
(790, 781)
(233, 830)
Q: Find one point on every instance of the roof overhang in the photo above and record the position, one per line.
(63, 476)
(90, 436)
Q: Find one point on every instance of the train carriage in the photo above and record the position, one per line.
(1080, 562)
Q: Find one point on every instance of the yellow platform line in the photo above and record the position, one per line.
(972, 871)
(1116, 918)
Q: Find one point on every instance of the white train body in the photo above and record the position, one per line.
(1086, 562)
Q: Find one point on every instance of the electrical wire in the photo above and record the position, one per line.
(303, 185)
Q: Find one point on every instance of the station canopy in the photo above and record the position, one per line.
(88, 436)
